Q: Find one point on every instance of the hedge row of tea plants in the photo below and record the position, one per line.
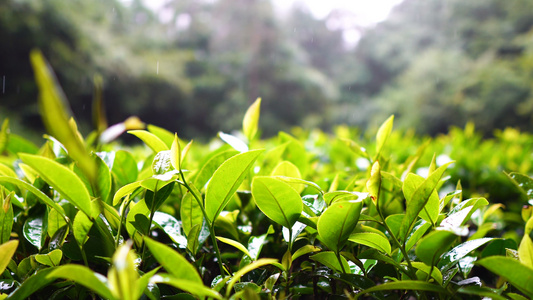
(301, 215)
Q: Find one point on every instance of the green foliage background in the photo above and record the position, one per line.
(433, 64)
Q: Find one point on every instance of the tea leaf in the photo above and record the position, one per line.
(54, 111)
(81, 227)
(124, 168)
(40, 195)
(33, 231)
(7, 250)
(251, 120)
(433, 245)
(383, 134)
(84, 276)
(170, 226)
(194, 287)
(35, 282)
(150, 139)
(235, 142)
(51, 259)
(190, 210)
(234, 244)
(419, 199)
(525, 249)
(277, 200)
(62, 179)
(337, 223)
(173, 262)
(256, 264)
(450, 258)
(329, 259)
(226, 180)
(405, 285)
(122, 276)
(373, 240)
(519, 275)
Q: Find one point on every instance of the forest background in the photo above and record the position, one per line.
(433, 64)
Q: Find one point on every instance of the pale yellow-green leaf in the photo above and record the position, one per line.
(251, 120)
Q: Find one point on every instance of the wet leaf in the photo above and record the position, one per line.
(330, 260)
(51, 259)
(450, 258)
(84, 276)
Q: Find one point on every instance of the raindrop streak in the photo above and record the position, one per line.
(157, 68)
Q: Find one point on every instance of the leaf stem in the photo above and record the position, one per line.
(210, 225)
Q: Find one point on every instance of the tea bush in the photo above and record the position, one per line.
(305, 214)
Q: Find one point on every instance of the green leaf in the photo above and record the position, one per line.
(234, 244)
(256, 264)
(255, 244)
(55, 113)
(519, 275)
(81, 227)
(374, 182)
(235, 142)
(190, 210)
(524, 183)
(170, 226)
(430, 212)
(277, 200)
(33, 284)
(251, 120)
(450, 258)
(162, 163)
(435, 273)
(226, 180)
(337, 223)
(329, 259)
(433, 245)
(419, 229)
(288, 169)
(6, 216)
(305, 250)
(7, 250)
(480, 291)
(51, 259)
(150, 139)
(373, 240)
(125, 190)
(173, 262)
(123, 275)
(40, 195)
(33, 231)
(525, 249)
(84, 276)
(154, 199)
(383, 134)
(166, 136)
(419, 200)
(405, 285)
(194, 287)
(209, 167)
(124, 168)
(62, 179)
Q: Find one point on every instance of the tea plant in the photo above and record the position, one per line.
(280, 218)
